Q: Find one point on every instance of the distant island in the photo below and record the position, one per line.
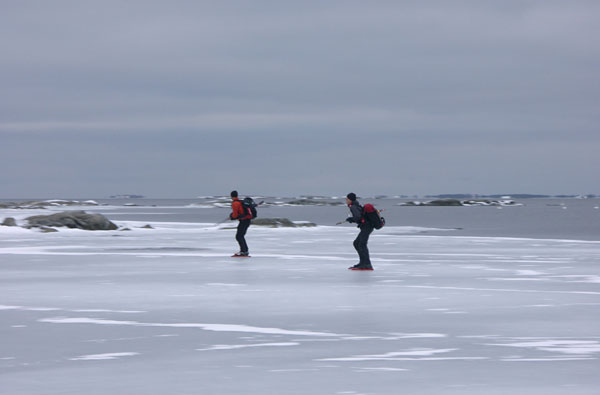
(509, 196)
(327, 200)
(127, 197)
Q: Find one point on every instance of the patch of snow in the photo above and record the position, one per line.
(100, 357)
(239, 346)
(206, 327)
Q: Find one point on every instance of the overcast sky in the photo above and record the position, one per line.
(188, 98)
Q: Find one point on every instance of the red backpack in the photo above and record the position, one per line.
(372, 216)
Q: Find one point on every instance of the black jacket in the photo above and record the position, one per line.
(355, 214)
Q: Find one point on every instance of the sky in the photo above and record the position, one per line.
(189, 98)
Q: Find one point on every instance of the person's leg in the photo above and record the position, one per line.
(360, 244)
(241, 232)
(356, 244)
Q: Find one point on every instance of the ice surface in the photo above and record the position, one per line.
(167, 311)
(96, 357)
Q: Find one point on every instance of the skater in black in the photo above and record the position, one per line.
(244, 217)
(360, 243)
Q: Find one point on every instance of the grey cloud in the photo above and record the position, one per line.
(429, 84)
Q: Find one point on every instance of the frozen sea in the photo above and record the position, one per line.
(463, 300)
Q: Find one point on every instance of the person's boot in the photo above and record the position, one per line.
(361, 267)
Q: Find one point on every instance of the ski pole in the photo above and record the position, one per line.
(379, 211)
(225, 220)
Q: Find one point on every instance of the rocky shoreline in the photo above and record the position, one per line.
(78, 219)
(42, 204)
(69, 219)
(461, 203)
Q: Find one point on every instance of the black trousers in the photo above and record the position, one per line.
(360, 244)
(241, 232)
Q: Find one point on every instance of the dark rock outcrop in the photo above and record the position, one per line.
(439, 202)
(313, 202)
(72, 219)
(9, 222)
(280, 223)
(444, 202)
(458, 203)
(45, 229)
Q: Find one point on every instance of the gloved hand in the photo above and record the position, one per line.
(231, 216)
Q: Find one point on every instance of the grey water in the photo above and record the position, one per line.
(573, 219)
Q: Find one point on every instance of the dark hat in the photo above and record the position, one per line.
(351, 196)
(234, 194)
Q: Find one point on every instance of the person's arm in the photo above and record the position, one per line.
(356, 214)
